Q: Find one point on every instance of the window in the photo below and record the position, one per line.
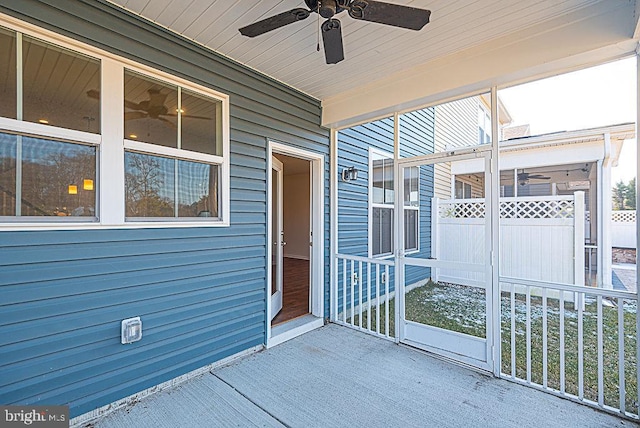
(47, 173)
(484, 126)
(382, 206)
(76, 150)
(172, 151)
(463, 190)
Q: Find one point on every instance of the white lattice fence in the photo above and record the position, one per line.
(623, 229)
(538, 238)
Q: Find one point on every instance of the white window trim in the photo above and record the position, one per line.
(373, 153)
(111, 144)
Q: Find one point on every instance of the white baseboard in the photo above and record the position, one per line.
(100, 412)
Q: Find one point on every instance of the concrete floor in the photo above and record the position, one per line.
(338, 377)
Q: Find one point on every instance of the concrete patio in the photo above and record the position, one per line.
(337, 377)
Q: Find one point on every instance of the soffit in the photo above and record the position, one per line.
(375, 52)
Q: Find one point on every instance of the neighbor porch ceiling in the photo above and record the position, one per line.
(466, 46)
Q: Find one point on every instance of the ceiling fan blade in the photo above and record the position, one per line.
(189, 116)
(274, 22)
(131, 115)
(332, 40)
(539, 177)
(396, 15)
(132, 105)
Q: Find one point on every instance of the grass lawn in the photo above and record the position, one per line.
(462, 309)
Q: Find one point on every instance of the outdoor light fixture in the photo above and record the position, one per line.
(87, 184)
(349, 174)
(131, 330)
(73, 189)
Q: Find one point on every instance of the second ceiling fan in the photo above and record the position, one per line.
(411, 18)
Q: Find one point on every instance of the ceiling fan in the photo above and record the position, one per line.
(524, 177)
(153, 107)
(395, 15)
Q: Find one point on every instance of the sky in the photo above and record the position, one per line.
(589, 98)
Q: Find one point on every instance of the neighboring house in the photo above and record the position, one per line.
(554, 166)
(458, 124)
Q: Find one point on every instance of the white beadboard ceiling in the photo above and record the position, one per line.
(372, 51)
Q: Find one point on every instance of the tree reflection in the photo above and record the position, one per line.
(49, 170)
(146, 178)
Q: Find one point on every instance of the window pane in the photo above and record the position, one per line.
(410, 229)
(7, 175)
(383, 181)
(197, 189)
(382, 238)
(411, 186)
(8, 73)
(150, 110)
(201, 124)
(149, 185)
(61, 87)
(58, 179)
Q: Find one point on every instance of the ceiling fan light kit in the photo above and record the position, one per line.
(411, 18)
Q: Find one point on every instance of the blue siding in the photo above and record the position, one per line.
(416, 138)
(200, 291)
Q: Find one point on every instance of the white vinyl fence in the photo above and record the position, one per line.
(623, 229)
(541, 238)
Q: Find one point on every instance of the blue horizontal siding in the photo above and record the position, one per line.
(416, 138)
(199, 291)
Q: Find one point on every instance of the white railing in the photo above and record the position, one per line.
(576, 342)
(364, 295)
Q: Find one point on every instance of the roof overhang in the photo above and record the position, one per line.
(599, 33)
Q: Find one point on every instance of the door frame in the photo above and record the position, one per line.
(316, 254)
(449, 340)
(277, 167)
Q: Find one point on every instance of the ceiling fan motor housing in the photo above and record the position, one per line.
(326, 8)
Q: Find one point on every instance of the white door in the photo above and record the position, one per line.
(277, 237)
(446, 288)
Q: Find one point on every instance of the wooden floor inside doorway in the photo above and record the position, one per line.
(295, 284)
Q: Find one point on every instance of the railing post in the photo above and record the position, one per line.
(578, 233)
(435, 235)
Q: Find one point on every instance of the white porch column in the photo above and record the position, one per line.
(604, 221)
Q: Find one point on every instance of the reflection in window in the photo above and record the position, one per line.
(201, 124)
(150, 110)
(56, 179)
(151, 190)
(61, 87)
(197, 189)
(8, 74)
(7, 175)
(383, 181)
(411, 186)
(149, 185)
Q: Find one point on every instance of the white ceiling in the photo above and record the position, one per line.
(374, 52)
